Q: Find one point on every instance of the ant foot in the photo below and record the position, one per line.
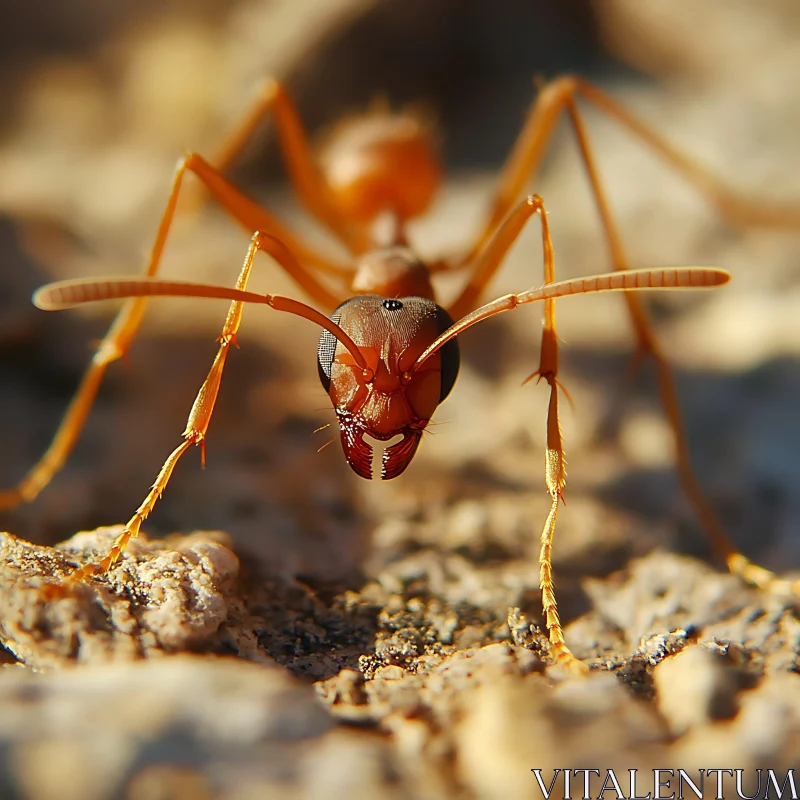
(565, 665)
(762, 578)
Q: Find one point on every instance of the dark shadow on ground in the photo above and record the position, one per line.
(744, 436)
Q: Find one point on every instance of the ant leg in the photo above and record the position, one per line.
(491, 256)
(196, 427)
(526, 155)
(254, 217)
(555, 459)
(117, 341)
(737, 563)
(524, 161)
(555, 464)
(113, 346)
(272, 98)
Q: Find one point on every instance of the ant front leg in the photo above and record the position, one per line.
(196, 426)
(555, 467)
(555, 459)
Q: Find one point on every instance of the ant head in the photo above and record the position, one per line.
(390, 333)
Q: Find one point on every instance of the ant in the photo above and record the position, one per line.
(388, 355)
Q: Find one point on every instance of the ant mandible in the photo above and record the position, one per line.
(388, 356)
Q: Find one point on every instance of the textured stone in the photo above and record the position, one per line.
(157, 599)
(694, 687)
(83, 733)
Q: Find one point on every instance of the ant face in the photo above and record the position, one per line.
(390, 333)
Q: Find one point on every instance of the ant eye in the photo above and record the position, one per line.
(326, 351)
(449, 354)
(328, 342)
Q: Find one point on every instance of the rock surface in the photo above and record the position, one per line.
(170, 601)
(416, 694)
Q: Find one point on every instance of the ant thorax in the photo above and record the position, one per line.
(392, 272)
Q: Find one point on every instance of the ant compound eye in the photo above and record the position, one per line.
(450, 354)
(325, 354)
(327, 349)
(352, 316)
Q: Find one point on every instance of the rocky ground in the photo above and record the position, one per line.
(285, 629)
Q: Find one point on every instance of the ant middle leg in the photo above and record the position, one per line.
(111, 348)
(560, 94)
(648, 345)
(272, 98)
(524, 160)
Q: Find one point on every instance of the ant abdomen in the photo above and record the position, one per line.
(379, 162)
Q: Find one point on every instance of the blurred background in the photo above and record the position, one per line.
(100, 99)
